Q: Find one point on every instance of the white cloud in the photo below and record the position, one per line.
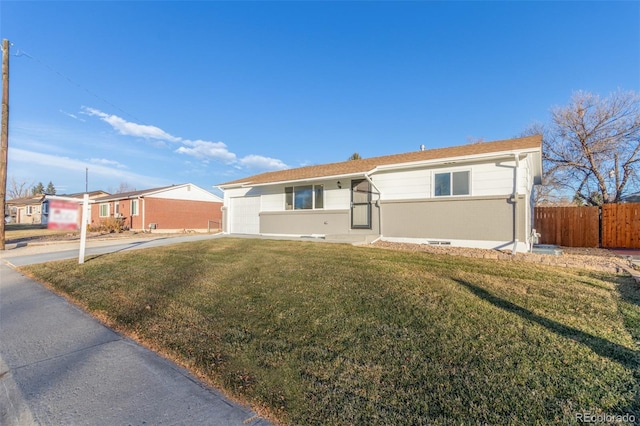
(128, 128)
(52, 165)
(262, 163)
(200, 149)
(68, 114)
(207, 150)
(105, 162)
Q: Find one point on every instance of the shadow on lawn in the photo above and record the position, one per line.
(603, 347)
(629, 290)
(629, 306)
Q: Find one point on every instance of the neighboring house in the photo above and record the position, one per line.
(169, 209)
(80, 197)
(35, 209)
(28, 210)
(476, 195)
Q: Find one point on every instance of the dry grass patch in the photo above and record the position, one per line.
(20, 232)
(335, 334)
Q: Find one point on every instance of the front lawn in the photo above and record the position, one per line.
(336, 334)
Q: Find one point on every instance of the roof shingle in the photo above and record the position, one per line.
(368, 164)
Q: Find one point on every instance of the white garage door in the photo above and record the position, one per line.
(244, 217)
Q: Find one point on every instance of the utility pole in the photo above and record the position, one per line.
(4, 137)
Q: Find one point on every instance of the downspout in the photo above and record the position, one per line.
(368, 178)
(515, 204)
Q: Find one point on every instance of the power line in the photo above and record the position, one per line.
(20, 53)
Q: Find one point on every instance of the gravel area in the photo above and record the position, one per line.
(586, 258)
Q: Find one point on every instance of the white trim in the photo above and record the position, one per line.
(293, 236)
(522, 246)
(292, 182)
(70, 199)
(108, 204)
(454, 160)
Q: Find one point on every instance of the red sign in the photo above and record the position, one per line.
(63, 215)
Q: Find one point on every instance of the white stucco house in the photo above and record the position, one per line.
(476, 195)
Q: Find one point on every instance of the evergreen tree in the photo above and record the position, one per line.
(38, 189)
(51, 190)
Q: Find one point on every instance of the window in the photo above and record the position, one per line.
(134, 207)
(318, 198)
(29, 210)
(451, 183)
(116, 209)
(104, 210)
(305, 197)
(288, 198)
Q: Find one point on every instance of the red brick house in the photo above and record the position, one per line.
(175, 208)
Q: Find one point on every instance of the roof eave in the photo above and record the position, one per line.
(458, 159)
(292, 181)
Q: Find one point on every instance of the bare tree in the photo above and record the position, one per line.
(551, 191)
(592, 146)
(474, 140)
(122, 188)
(18, 188)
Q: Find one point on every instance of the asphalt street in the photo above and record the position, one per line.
(60, 366)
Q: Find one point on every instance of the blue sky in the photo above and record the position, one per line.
(157, 93)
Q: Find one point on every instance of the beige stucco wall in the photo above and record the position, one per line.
(29, 219)
(306, 222)
(475, 218)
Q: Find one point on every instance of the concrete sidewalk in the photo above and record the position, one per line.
(58, 365)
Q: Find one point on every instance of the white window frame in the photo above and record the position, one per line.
(29, 210)
(116, 209)
(450, 173)
(135, 211)
(315, 190)
(108, 207)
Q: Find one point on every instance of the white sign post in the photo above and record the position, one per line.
(83, 229)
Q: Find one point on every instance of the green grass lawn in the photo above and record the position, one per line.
(336, 334)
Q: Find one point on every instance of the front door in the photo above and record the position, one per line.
(360, 204)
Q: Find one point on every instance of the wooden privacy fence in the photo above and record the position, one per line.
(621, 225)
(608, 226)
(568, 226)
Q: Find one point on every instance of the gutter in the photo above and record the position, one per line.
(453, 160)
(515, 203)
(294, 181)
